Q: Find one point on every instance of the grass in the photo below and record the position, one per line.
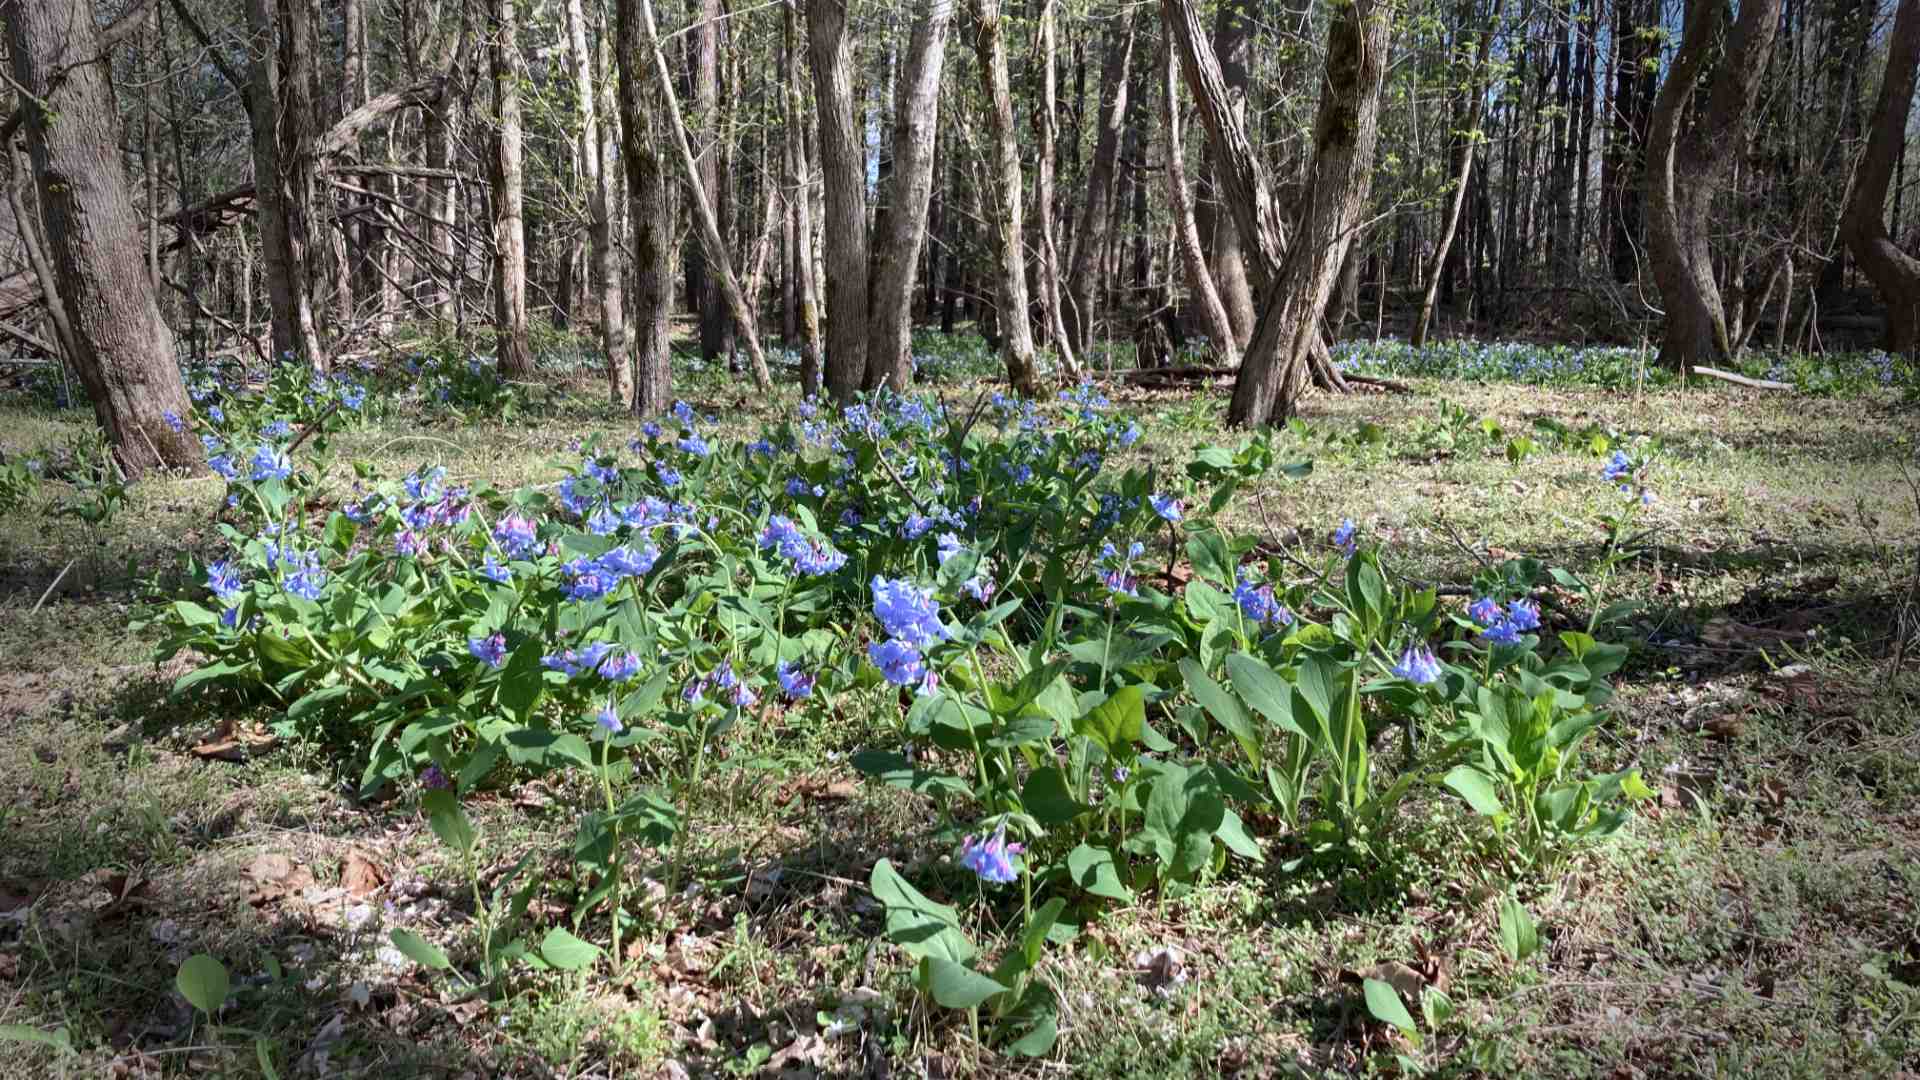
(1758, 919)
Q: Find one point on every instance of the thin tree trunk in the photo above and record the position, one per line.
(1046, 122)
(1346, 129)
(1214, 319)
(800, 192)
(649, 216)
(123, 351)
(1232, 42)
(1893, 272)
(704, 294)
(605, 276)
(715, 246)
(1462, 169)
(1010, 300)
(896, 252)
(515, 350)
(1098, 211)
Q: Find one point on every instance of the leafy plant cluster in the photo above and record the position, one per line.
(1610, 366)
(1100, 691)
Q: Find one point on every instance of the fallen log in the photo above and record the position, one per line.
(1742, 380)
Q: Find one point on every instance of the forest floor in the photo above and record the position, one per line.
(1760, 917)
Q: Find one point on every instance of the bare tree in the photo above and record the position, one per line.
(1687, 162)
(509, 196)
(1467, 137)
(843, 171)
(1346, 127)
(1089, 240)
(605, 270)
(1214, 319)
(1003, 169)
(647, 211)
(896, 250)
(121, 348)
(799, 184)
(1894, 272)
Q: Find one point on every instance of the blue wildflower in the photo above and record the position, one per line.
(491, 651)
(619, 667)
(796, 684)
(516, 536)
(695, 445)
(1418, 665)
(991, 857)
(607, 720)
(173, 420)
(899, 662)
(1344, 539)
(1523, 615)
(224, 580)
(495, 572)
(908, 612)
(1485, 611)
(269, 464)
(1167, 507)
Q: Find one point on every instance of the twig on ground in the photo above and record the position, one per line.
(57, 579)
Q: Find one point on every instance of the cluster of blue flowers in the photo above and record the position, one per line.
(1258, 603)
(810, 556)
(591, 579)
(1503, 625)
(991, 857)
(911, 617)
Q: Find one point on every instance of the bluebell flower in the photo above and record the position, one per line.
(980, 587)
(1130, 436)
(683, 412)
(624, 561)
(494, 572)
(210, 443)
(991, 857)
(850, 517)
(619, 666)
(908, 612)
(1120, 583)
(947, 545)
(607, 720)
(269, 464)
(1524, 615)
(796, 684)
(517, 536)
(916, 526)
(1418, 665)
(306, 583)
(650, 429)
(695, 445)
(216, 414)
(224, 580)
(491, 651)
(1485, 611)
(606, 474)
(1257, 602)
(173, 420)
(1501, 633)
(566, 662)
(1344, 539)
(1167, 507)
(796, 487)
(590, 582)
(230, 617)
(279, 429)
(899, 662)
(352, 394)
(669, 476)
(407, 543)
(1618, 466)
(820, 558)
(603, 522)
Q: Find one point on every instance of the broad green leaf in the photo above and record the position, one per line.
(1383, 1001)
(1472, 785)
(448, 821)
(956, 985)
(1225, 709)
(918, 925)
(1039, 1038)
(894, 770)
(1048, 798)
(1115, 722)
(1093, 869)
(420, 950)
(202, 980)
(1265, 690)
(1518, 936)
(58, 1038)
(521, 681)
(566, 952)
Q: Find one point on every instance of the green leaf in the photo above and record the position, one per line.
(1472, 785)
(318, 701)
(956, 985)
(58, 1038)
(1183, 812)
(1093, 869)
(1048, 798)
(1206, 603)
(1208, 553)
(1383, 1001)
(193, 614)
(1115, 722)
(202, 980)
(1225, 709)
(1039, 1038)
(448, 821)
(1263, 689)
(566, 952)
(894, 770)
(918, 925)
(1519, 938)
(521, 681)
(420, 950)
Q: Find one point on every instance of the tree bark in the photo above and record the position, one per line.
(605, 270)
(1215, 321)
(1346, 128)
(649, 216)
(896, 253)
(515, 350)
(1010, 300)
(1089, 240)
(1686, 168)
(1232, 42)
(1893, 272)
(704, 294)
(800, 194)
(843, 171)
(123, 351)
(1046, 123)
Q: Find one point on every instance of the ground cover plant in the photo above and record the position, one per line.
(950, 732)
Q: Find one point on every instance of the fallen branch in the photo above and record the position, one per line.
(1742, 380)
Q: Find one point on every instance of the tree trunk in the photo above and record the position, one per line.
(1089, 240)
(1232, 42)
(705, 294)
(123, 351)
(896, 253)
(509, 198)
(800, 192)
(1462, 170)
(1215, 321)
(1003, 168)
(1686, 169)
(1346, 128)
(843, 171)
(605, 273)
(1046, 124)
(1894, 273)
(280, 107)
(649, 216)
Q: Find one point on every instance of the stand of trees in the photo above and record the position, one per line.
(1083, 181)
